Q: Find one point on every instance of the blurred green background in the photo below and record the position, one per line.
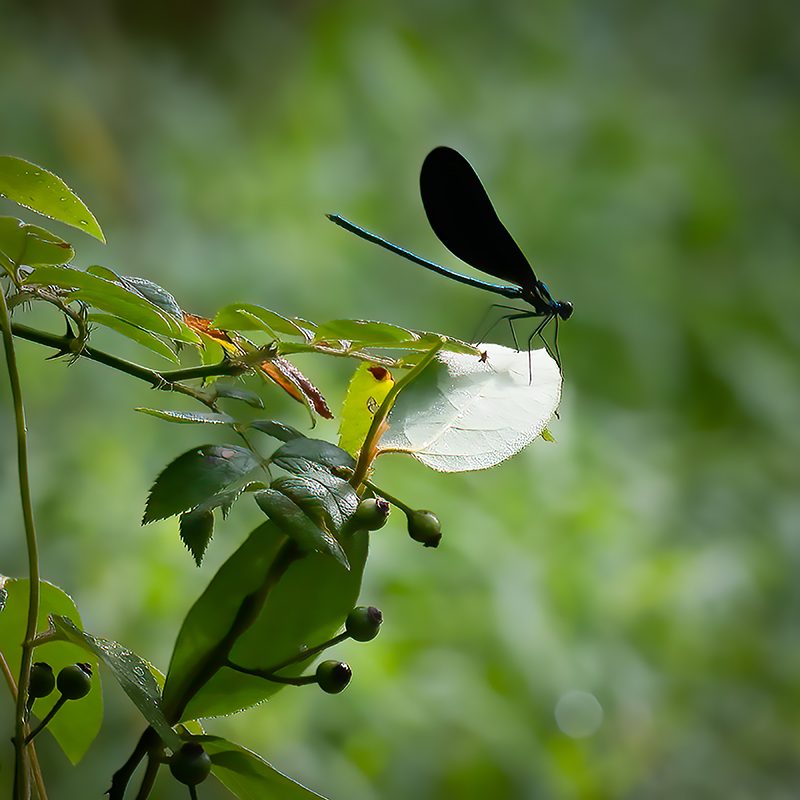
(646, 157)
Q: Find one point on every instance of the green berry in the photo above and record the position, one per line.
(190, 765)
(371, 514)
(363, 623)
(42, 680)
(75, 681)
(333, 676)
(424, 527)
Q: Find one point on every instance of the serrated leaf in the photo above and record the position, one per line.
(248, 775)
(467, 413)
(292, 455)
(189, 417)
(252, 317)
(77, 724)
(41, 191)
(305, 608)
(276, 429)
(295, 523)
(197, 527)
(363, 331)
(131, 671)
(235, 393)
(196, 476)
(31, 245)
(138, 335)
(367, 390)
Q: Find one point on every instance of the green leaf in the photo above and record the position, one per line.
(30, 245)
(138, 335)
(115, 299)
(235, 393)
(154, 293)
(187, 417)
(247, 775)
(196, 476)
(367, 390)
(295, 522)
(467, 412)
(305, 608)
(426, 341)
(275, 429)
(39, 190)
(292, 455)
(131, 671)
(362, 331)
(316, 491)
(252, 317)
(197, 527)
(78, 723)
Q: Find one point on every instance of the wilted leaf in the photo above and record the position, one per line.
(367, 390)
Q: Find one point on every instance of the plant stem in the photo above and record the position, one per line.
(168, 379)
(269, 674)
(376, 428)
(22, 786)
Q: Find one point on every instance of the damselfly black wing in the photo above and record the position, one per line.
(463, 218)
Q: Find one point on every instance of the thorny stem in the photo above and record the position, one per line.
(22, 785)
(167, 379)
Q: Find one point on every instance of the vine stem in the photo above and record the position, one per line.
(22, 783)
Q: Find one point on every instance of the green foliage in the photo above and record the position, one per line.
(77, 724)
(196, 476)
(645, 154)
(247, 775)
(41, 191)
(132, 672)
(30, 245)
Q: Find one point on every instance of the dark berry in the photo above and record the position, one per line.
(75, 681)
(190, 765)
(363, 623)
(42, 680)
(424, 527)
(333, 676)
(371, 514)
